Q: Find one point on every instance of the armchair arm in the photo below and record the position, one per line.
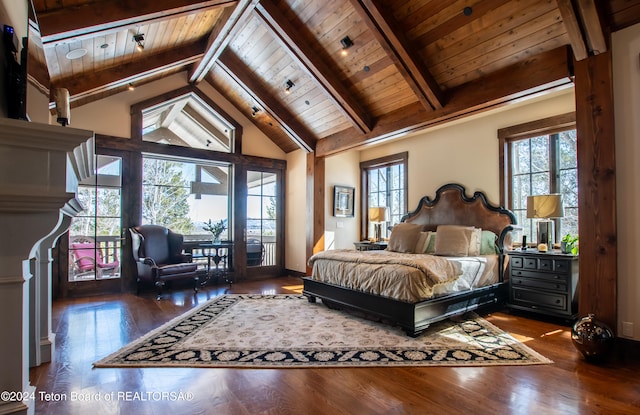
(149, 261)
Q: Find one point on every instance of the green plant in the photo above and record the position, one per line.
(216, 228)
(571, 243)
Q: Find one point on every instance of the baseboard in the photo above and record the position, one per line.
(293, 273)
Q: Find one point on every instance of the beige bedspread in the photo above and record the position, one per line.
(410, 278)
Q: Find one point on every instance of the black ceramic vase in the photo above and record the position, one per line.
(592, 338)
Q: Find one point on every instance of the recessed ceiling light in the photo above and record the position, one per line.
(76, 53)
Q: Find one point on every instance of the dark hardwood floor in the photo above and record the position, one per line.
(90, 328)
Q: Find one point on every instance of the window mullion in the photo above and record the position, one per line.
(554, 164)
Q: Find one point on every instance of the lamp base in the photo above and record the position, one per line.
(545, 233)
(377, 229)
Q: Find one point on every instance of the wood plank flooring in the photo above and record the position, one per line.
(90, 328)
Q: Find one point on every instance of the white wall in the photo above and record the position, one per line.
(38, 106)
(626, 92)
(296, 211)
(341, 170)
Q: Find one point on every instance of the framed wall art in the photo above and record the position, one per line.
(343, 201)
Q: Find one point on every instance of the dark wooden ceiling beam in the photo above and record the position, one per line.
(238, 71)
(399, 48)
(573, 29)
(228, 24)
(111, 78)
(540, 73)
(91, 19)
(290, 39)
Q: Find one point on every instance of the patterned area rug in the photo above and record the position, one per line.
(267, 331)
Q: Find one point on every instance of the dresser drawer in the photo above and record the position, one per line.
(547, 276)
(544, 264)
(561, 265)
(537, 299)
(516, 261)
(559, 286)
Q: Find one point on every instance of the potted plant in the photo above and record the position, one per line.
(569, 244)
(216, 228)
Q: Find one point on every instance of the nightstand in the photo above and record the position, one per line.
(370, 246)
(544, 283)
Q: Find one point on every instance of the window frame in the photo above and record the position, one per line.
(382, 162)
(548, 126)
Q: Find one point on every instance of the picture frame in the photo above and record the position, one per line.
(343, 201)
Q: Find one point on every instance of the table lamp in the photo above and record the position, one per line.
(377, 216)
(545, 207)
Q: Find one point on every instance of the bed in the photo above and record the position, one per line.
(440, 283)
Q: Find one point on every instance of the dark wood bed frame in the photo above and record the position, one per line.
(450, 206)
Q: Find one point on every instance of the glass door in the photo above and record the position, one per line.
(264, 224)
(94, 244)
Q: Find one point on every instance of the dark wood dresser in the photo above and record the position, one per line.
(544, 283)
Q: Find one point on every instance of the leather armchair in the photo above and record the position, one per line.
(157, 252)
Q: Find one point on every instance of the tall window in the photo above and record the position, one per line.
(94, 235)
(182, 195)
(541, 163)
(384, 184)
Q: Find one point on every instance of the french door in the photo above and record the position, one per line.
(264, 224)
(94, 254)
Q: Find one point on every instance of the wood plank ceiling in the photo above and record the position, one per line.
(411, 64)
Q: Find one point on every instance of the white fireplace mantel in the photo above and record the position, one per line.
(40, 167)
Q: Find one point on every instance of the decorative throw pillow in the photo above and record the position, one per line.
(474, 243)
(488, 243)
(431, 245)
(453, 240)
(423, 242)
(404, 237)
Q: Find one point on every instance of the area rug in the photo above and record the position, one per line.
(286, 331)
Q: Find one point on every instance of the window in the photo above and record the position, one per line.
(187, 121)
(541, 158)
(384, 184)
(183, 194)
(94, 235)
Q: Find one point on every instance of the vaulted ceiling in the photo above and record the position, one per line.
(410, 64)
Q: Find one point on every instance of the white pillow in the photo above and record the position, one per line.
(423, 242)
(475, 242)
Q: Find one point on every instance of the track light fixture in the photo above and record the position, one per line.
(346, 43)
(254, 111)
(288, 85)
(139, 39)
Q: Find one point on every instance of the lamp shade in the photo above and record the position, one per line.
(377, 214)
(545, 206)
